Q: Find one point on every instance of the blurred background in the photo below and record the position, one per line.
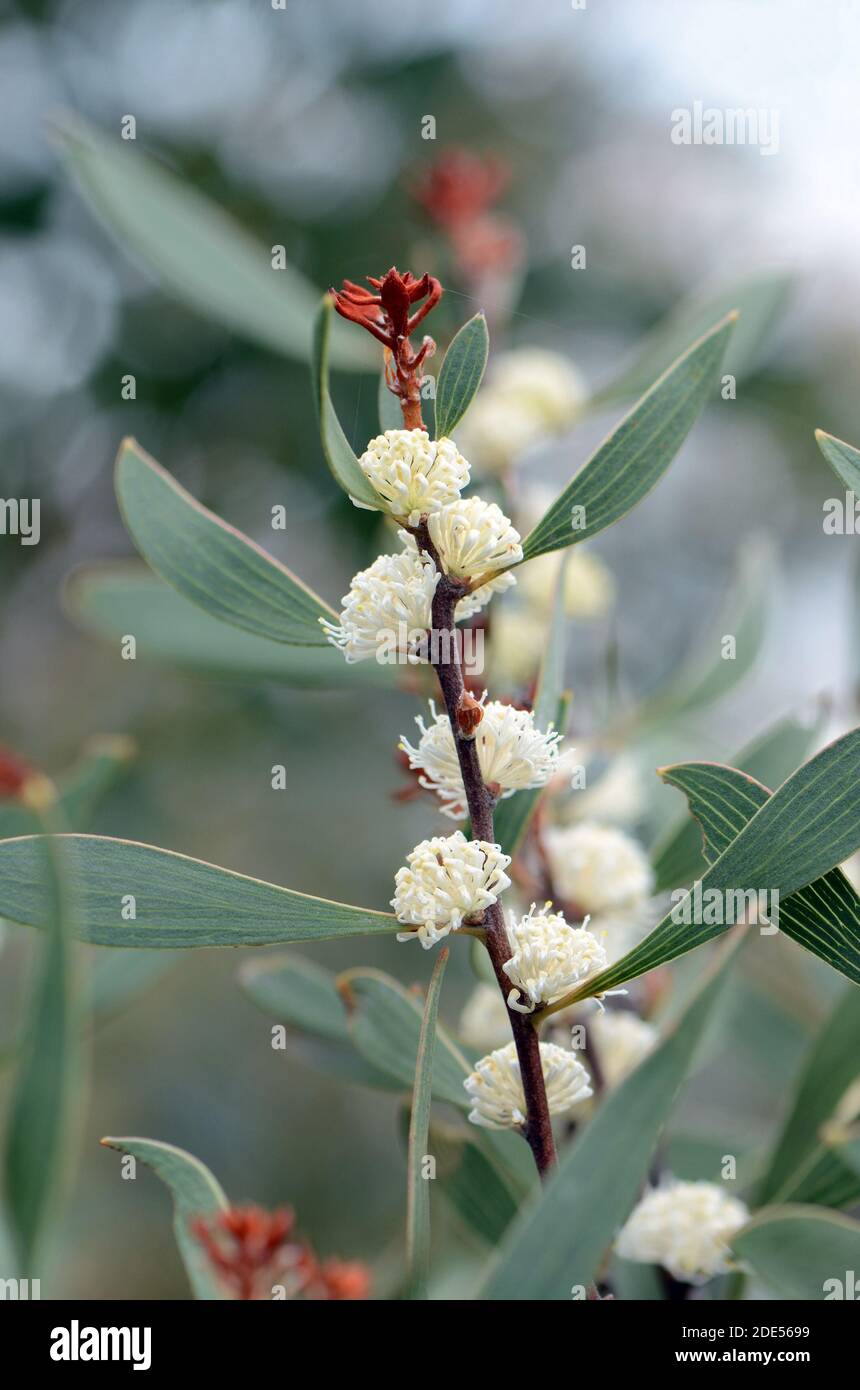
(307, 125)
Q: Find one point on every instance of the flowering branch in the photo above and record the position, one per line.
(459, 704)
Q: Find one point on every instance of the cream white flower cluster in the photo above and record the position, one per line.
(598, 867)
(622, 1040)
(531, 394)
(445, 881)
(495, 1087)
(685, 1227)
(513, 754)
(389, 605)
(413, 473)
(550, 958)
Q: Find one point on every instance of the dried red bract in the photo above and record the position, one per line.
(252, 1250)
(14, 773)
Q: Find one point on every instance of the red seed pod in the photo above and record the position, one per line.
(14, 773)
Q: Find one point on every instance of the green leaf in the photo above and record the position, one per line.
(513, 815)
(198, 252)
(843, 458)
(758, 302)
(209, 562)
(195, 1192)
(560, 1238)
(304, 995)
(336, 447)
(461, 374)
(831, 1066)
(417, 1185)
(473, 1181)
(42, 1103)
(677, 855)
(824, 916)
(638, 451)
(791, 839)
(385, 1025)
(178, 901)
(119, 977)
(801, 1252)
(707, 676)
(115, 599)
(79, 790)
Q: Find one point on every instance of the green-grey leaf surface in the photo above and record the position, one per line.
(178, 901)
(843, 458)
(560, 1238)
(800, 1250)
(677, 856)
(338, 451)
(633, 458)
(473, 1181)
(791, 839)
(706, 675)
(417, 1185)
(461, 374)
(385, 1025)
(202, 257)
(824, 915)
(758, 302)
(831, 1066)
(41, 1108)
(210, 562)
(118, 599)
(195, 1192)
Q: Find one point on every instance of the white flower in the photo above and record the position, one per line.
(469, 604)
(550, 958)
(597, 867)
(622, 1040)
(617, 797)
(389, 603)
(414, 474)
(589, 587)
(543, 383)
(496, 1089)
(473, 537)
(484, 1022)
(444, 881)
(686, 1227)
(512, 754)
(496, 432)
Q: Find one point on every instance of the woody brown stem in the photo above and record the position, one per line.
(538, 1128)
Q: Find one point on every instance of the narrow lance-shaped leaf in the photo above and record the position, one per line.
(560, 1238)
(211, 563)
(677, 856)
(798, 835)
(112, 600)
(758, 303)
(201, 255)
(472, 1181)
(801, 1252)
(832, 1065)
(636, 454)
(706, 675)
(385, 1024)
(461, 374)
(417, 1182)
(338, 451)
(823, 916)
(195, 1192)
(843, 458)
(41, 1109)
(177, 901)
